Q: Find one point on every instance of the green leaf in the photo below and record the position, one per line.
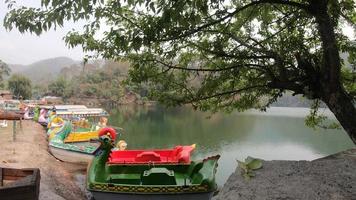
(249, 159)
(255, 164)
(242, 165)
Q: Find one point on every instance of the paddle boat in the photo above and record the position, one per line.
(74, 147)
(19, 184)
(149, 174)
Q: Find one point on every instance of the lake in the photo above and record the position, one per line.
(278, 134)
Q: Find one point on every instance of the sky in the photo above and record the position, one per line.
(17, 48)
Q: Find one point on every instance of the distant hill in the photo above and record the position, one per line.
(43, 71)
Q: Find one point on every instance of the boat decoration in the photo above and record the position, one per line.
(28, 113)
(36, 113)
(19, 184)
(43, 118)
(149, 180)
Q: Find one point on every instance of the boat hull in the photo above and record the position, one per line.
(116, 196)
(70, 156)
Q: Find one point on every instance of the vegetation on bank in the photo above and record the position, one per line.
(92, 80)
(103, 80)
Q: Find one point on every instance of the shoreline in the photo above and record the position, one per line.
(29, 150)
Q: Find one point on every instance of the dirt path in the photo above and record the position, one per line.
(30, 151)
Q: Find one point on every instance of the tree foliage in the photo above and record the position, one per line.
(217, 54)
(60, 87)
(20, 86)
(104, 82)
(4, 71)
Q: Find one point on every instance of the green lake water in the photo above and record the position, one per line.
(278, 134)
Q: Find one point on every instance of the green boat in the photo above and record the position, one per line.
(74, 152)
(150, 180)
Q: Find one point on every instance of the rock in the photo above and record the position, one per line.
(332, 177)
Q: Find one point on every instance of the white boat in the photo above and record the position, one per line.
(70, 156)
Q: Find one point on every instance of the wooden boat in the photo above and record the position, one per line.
(10, 115)
(19, 184)
(149, 180)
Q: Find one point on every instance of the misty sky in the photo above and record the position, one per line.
(17, 48)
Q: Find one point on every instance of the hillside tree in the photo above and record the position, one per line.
(60, 87)
(217, 54)
(20, 86)
(4, 71)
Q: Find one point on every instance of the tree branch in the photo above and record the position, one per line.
(229, 15)
(205, 69)
(225, 93)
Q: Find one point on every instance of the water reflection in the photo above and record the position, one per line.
(279, 134)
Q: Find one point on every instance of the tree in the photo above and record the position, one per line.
(60, 87)
(218, 54)
(38, 91)
(4, 71)
(20, 86)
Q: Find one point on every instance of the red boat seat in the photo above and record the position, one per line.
(148, 156)
(178, 155)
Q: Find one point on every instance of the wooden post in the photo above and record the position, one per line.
(1, 177)
(14, 131)
(21, 124)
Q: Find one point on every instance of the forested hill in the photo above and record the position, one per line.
(43, 71)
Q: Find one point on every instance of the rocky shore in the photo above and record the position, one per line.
(332, 178)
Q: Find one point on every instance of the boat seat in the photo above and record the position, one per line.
(179, 155)
(124, 178)
(158, 176)
(148, 156)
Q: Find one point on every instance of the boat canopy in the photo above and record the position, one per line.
(84, 112)
(68, 107)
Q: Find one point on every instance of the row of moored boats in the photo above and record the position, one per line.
(79, 134)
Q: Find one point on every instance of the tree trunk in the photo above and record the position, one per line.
(342, 105)
(332, 90)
